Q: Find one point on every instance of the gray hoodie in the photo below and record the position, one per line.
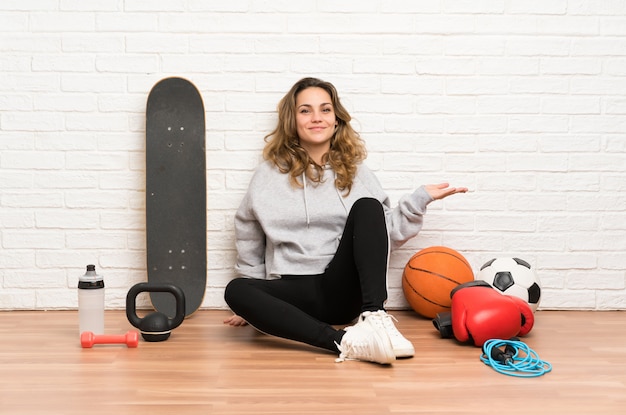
(282, 229)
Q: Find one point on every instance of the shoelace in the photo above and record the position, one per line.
(388, 323)
(384, 320)
(360, 348)
(342, 354)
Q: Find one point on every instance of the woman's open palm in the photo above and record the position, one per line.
(441, 190)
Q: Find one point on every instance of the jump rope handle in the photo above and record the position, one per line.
(505, 357)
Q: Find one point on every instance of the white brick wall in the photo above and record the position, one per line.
(522, 101)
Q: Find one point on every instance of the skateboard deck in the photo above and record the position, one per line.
(176, 193)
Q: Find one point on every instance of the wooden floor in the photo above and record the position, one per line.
(208, 368)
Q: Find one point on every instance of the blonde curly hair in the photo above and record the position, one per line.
(283, 148)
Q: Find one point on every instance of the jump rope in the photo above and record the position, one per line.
(517, 359)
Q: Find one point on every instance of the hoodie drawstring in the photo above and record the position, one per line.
(306, 205)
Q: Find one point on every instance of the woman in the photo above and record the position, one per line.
(314, 232)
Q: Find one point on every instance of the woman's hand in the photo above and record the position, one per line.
(441, 190)
(235, 321)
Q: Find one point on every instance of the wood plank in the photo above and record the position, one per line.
(206, 367)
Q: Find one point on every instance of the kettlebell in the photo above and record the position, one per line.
(155, 327)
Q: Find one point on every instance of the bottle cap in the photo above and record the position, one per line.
(90, 280)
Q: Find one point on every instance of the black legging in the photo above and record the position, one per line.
(303, 307)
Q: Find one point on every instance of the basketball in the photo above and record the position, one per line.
(429, 277)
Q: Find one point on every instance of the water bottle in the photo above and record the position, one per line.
(91, 302)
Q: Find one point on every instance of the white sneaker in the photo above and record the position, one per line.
(363, 343)
(381, 321)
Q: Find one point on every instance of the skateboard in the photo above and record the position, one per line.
(176, 193)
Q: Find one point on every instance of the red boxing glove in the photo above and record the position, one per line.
(480, 313)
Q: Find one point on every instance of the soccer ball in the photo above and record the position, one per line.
(512, 276)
